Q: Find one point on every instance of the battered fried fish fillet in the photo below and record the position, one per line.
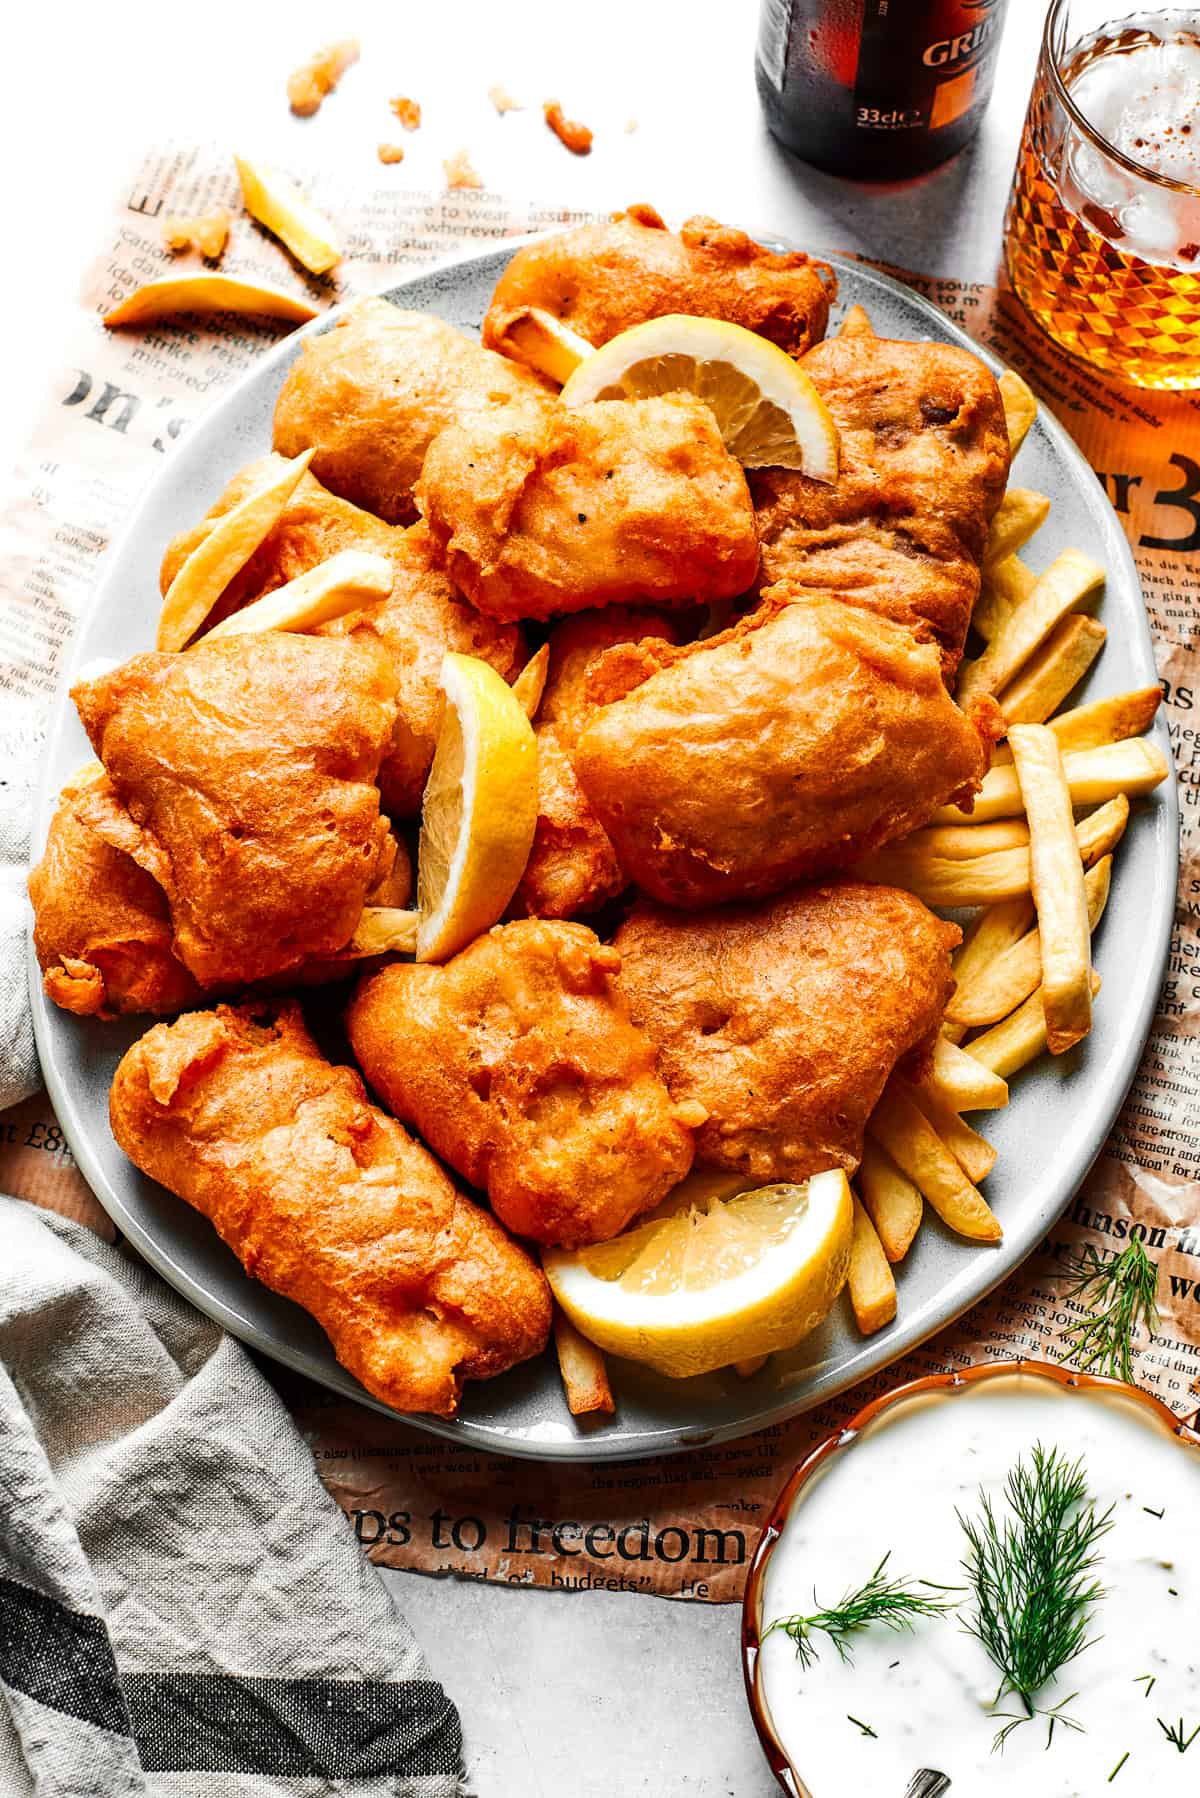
(612, 502)
(572, 867)
(371, 394)
(601, 279)
(785, 1019)
(923, 464)
(246, 769)
(101, 925)
(423, 617)
(777, 751)
(331, 1203)
(518, 1064)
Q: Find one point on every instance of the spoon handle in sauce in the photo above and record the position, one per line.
(927, 1784)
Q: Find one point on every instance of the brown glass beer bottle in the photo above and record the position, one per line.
(881, 89)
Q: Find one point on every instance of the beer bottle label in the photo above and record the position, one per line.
(908, 80)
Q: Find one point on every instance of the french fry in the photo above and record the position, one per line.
(919, 1152)
(746, 1370)
(339, 585)
(1020, 513)
(1106, 720)
(1057, 884)
(857, 323)
(1058, 666)
(959, 842)
(543, 343)
(226, 549)
(1071, 579)
(1020, 408)
(583, 1369)
(892, 1202)
(278, 204)
(384, 930)
(871, 1284)
(207, 293)
(1132, 766)
(984, 879)
(1020, 1039)
(973, 1153)
(530, 684)
(1005, 585)
(954, 1080)
(998, 988)
(992, 931)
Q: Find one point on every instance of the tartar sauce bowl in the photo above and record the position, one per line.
(832, 1460)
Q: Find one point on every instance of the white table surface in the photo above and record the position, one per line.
(596, 1695)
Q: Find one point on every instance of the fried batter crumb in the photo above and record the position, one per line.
(503, 101)
(391, 153)
(308, 85)
(575, 137)
(208, 233)
(460, 171)
(407, 111)
(631, 126)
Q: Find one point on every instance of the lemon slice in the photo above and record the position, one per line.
(479, 810)
(766, 407)
(710, 1279)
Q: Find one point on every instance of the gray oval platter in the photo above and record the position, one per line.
(1060, 1112)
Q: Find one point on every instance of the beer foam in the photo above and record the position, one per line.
(1146, 102)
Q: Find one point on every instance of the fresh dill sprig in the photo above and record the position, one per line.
(865, 1728)
(1175, 1734)
(893, 1602)
(1030, 1579)
(1117, 1768)
(1120, 1293)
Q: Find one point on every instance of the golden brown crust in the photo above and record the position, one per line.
(325, 1199)
(519, 1065)
(784, 1020)
(247, 772)
(101, 926)
(609, 503)
(776, 752)
(923, 462)
(601, 279)
(372, 393)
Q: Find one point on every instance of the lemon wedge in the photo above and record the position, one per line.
(767, 409)
(712, 1279)
(479, 809)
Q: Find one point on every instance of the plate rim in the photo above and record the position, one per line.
(826, 1384)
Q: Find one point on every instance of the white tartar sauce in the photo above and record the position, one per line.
(928, 1694)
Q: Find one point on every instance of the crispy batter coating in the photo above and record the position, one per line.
(372, 393)
(423, 617)
(777, 751)
(785, 1019)
(101, 925)
(613, 502)
(601, 279)
(325, 1199)
(518, 1064)
(247, 770)
(572, 867)
(924, 461)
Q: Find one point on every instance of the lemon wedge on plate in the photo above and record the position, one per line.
(767, 409)
(709, 1280)
(479, 809)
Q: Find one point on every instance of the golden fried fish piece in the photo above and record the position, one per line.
(519, 1065)
(601, 279)
(785, 1018)
(246, 769)
(421, 620)
(101, 925)
(330, 1202)
(614, 502)
(923, 464)
(371, 394)
(778, 751)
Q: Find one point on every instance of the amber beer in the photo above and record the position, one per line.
(880, 89)
(1102, 239)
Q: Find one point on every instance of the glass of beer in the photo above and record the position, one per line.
(1102, 238)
